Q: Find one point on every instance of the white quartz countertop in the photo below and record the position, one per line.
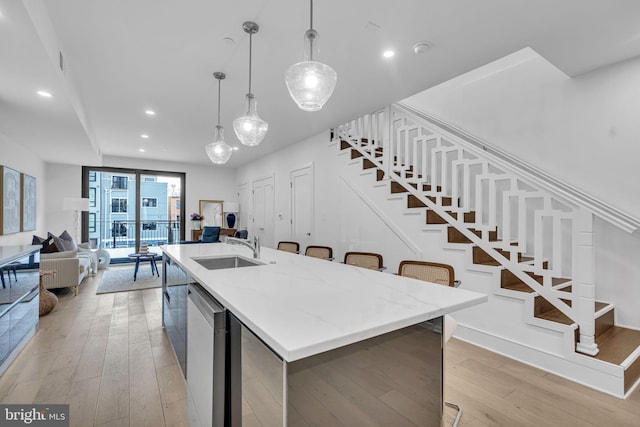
(11, 253)
(301, 306)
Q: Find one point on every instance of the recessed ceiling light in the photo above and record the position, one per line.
(142, 150)
(44, 94)
(236, 148)
(388, 53)
(144, 135)
(150, 112)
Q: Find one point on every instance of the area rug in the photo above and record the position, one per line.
(121, 280)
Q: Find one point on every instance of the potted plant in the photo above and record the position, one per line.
(195, 221)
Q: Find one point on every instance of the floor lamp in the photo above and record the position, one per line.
(76, 204)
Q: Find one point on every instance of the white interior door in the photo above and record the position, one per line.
(302, 199)
(264, 210)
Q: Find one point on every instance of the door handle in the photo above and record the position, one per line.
(309, 234)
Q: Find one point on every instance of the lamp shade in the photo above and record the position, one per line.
(231, 207)
(75, 204)
(310, 84)
(250, 128)
(218, 151)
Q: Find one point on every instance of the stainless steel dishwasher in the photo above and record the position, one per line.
(206, 336)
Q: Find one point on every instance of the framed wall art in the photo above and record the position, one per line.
(10, 212)
(28, 197)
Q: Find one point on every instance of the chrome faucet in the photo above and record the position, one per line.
(255, 246)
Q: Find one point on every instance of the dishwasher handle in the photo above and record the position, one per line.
(207, 305)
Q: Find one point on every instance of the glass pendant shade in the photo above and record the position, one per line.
(218, 150)
(310, 83)
(250, 128)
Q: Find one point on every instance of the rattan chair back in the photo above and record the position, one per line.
(369, 260)
(442, 274)
(322, 252)
(289, 247)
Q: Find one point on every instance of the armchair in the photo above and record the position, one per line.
(210, 234)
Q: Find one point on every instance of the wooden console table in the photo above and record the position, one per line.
(195, 234)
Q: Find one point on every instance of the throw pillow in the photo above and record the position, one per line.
(48, 246)
(56, 242)
(67, 241)
(37, 240)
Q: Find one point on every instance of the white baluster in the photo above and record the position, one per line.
(387, 143)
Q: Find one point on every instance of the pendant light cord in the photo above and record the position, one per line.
(219, 80)
(311, 28)
(250, 49)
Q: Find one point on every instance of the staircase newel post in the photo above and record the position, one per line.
(584, 273)
(387, 145)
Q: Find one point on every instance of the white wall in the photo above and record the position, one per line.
(202, 182)
(583, 130)
(19, 158)
(280, 164)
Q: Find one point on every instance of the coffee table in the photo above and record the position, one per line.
(151, 257)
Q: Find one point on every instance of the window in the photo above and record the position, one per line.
(149, 179)
(177, 204)
(118, 205)
(119, 182)
(92, 176)
(149, 202)
(92, 197)
(92, 222)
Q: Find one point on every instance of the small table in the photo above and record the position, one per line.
(151, 257)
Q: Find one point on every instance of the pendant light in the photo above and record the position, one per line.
(250, 129)
(218, 150)
(310, 83)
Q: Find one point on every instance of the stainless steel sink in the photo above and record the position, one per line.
(226, 262)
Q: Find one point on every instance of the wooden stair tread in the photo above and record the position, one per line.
(520, 287)
(601, 305)
(494, 263)
(617, 343)
(555, 315)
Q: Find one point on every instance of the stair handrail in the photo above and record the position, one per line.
(550, 183)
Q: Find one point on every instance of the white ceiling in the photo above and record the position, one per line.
(124, 56)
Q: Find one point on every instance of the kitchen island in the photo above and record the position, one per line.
(19, 305)
(317, 342)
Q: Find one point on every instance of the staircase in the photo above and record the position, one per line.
(532, 233)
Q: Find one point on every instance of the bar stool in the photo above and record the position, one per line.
(322, 252)
(293, 247)
(441, 274)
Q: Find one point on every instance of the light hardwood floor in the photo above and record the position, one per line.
(109, 359)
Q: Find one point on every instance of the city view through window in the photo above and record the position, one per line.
(113, 219)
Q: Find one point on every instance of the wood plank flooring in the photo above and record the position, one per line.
(107, 356)
(109, 359)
